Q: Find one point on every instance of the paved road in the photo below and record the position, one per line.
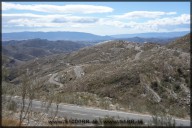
(77, 112)
(52, 80)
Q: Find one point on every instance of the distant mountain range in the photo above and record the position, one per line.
(29, 49)
(151, 40)
(81, 36)
(73, 36)
(153, 35)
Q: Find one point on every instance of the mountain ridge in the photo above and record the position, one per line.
(29, 49)
(73, 36)
(83, 36)
(153, 35)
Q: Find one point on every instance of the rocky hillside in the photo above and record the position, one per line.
(182, 44)
(144, 78)
(161, 41)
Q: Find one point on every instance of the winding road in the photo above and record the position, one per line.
(78, 72)
(53, 81)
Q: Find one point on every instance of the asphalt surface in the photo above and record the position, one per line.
(53, 81)
(87, 113)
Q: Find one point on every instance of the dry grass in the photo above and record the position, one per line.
(10, 122)
(111, 72)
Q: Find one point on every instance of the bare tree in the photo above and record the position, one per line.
(28, 88)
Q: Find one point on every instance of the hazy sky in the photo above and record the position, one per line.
(101, 18)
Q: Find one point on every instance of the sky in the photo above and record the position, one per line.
(100, 18)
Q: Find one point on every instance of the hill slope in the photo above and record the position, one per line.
(146, 78)
(181, 44)
(152, 40)
(30, 49)
(153, 35)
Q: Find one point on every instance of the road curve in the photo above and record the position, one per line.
(52, 80)
(87, 113)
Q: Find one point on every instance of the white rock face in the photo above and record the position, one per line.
(78, 71)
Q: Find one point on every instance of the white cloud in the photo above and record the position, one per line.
(171, 13)
(143, 14)
(50, 18)
(75, 19)
(111, 22)
(86, 9)
(158, 24)
(163, 23)
(21, 15)
(182, 19)
(32, 20)
(109, 25)
(25, 22)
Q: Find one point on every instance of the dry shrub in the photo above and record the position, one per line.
(10, 122)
